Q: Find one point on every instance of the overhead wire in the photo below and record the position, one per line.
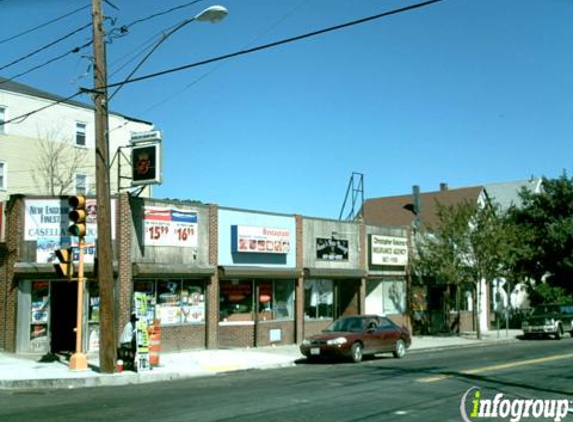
(240, 53)
(33, 53)
(28, 31)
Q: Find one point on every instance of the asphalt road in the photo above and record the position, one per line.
(424, 386)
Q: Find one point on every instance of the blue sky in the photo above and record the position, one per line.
(465, 92)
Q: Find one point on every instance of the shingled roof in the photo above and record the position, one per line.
(390, 211)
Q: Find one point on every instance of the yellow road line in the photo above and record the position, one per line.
(498, 367)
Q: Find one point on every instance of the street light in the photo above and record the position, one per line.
(108, 337)
(212, 14)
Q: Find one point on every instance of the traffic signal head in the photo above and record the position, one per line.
(66, 266)
(78, 215)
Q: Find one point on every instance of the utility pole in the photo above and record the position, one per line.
(104, 266)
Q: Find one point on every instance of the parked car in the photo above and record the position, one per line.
(549, 320)
(356, 336)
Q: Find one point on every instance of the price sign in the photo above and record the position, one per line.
(169, 227)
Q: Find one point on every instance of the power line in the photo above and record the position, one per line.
(238, 53)
(52, 60)
(42, 25)
(45, 47)
(24, 116)
(275, 44)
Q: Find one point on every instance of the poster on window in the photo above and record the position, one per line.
(169, 227)
(388, 250)
(260, 240)
(46, 249)
(332, 249)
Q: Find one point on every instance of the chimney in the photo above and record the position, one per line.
(443, 187)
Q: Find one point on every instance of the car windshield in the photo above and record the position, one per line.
(354, 325)
(546, 309)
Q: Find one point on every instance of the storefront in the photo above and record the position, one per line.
(257, 273)
(386, 288)
(170, 256)
(333, 272)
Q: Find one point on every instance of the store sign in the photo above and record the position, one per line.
(164, 226)
(331, 249)
(146, 164)
(46, 222)
(260, 240)
(388, 250)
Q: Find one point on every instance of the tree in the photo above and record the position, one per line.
(471, 243)
(546, 222)
(57, 163)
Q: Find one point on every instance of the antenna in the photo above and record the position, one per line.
(356, 191)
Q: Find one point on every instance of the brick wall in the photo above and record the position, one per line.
(315, 327)
(9, 292)
(211, 340)
(236, 335)
(183, 337)
(125, 269)
(287, 332)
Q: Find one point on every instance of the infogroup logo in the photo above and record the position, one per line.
(474, 405)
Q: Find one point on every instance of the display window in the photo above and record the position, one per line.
(39, 318)
(238, 301)
(386, 297)
(174, 301)
(318, 299)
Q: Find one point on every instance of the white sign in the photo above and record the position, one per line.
(46, 221)
(261, 240)
(169, 227)
(388, 250)
(151, 135)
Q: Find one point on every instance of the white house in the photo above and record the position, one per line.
(52, 152)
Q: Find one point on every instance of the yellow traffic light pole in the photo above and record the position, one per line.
(79, 361)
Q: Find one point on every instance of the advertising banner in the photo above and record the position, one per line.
(388, 250)
(46, 221)
(169, 227)
(260, 240)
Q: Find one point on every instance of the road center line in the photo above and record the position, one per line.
(498, 367)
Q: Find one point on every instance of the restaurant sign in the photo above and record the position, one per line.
(388, 250)
(260, 239)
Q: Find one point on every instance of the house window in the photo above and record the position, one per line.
(81, 134)
(81, 184)
(2, 175)
(2, 119)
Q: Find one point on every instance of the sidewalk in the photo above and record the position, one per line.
(27, 372)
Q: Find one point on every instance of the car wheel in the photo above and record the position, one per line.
(400, 349)
(559, 332)
(356, 353)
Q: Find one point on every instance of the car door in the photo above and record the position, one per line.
(389, 334)
(372, 337)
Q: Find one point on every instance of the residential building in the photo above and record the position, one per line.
(52, 152)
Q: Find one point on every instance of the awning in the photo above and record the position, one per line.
(258, 272)
(334, 273)
(172, 270)
(42, 270)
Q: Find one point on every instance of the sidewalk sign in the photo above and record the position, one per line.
(141, 334)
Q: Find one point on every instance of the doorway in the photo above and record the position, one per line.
(63, 316)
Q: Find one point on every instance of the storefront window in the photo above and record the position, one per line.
(174, 301)
(318, 299)
(386, 297)
(275, 301)
(236, 302)
(40, 315)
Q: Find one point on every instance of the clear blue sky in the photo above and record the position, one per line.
(465, 92)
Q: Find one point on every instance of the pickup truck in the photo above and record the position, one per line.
(551, 319)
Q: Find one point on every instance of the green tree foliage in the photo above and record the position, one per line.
(544, 293)
(545, 222)
(470, 243)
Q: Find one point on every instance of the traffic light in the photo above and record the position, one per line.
(66, 266)
(78, 215)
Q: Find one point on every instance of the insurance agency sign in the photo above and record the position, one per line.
(388, 250)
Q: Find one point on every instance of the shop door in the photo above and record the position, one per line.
(347, 297)
(64, 298)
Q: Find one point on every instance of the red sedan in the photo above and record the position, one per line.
(355, 336)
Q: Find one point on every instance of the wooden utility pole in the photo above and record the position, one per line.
(108, 337)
